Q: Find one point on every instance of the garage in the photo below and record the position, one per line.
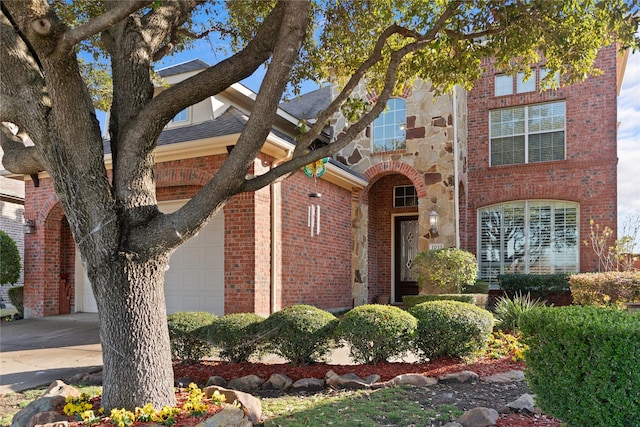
(195, 278)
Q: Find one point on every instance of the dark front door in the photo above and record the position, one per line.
(406, 249)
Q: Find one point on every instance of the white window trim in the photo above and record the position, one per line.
(374, 146)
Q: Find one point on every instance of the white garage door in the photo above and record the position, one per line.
(195, 279)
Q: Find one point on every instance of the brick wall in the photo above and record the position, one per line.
(316, 270)
(587, 176)
(381, 209)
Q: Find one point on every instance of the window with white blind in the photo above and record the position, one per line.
(389, 128)
(530, 237)
(527, 133)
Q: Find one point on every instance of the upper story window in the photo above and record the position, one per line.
(528, 237)
(389, 129)
(527, 134)
(404, 196)
(504, 83)
(182, 116)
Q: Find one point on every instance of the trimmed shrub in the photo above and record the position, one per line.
(377, 332)
(9, 260)
(302, 334)
(236, 335)
(582, 364)
(538, 285)
(508, 311)
(603, 289)
(478, 287)
(410, 301)
(445, 270)
(451, 329)
(16, 296)
(185, 332)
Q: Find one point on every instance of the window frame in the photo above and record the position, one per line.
(528, 120)
(387, 120)
(405, 197)
(180, 121)
(564, 262)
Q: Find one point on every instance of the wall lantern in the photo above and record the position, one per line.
(29, 226)
(433, 222)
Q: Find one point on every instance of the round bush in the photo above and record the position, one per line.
(301, 334)
(237, 336)
(451, 329)
(376, 332)
(9, 260)
(445, 270)
(185, 332)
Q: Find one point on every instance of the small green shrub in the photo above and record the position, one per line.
(447, 270)
(237, 336)
(412, 300)
(538, 285)
(9, 260)
(16, 296)
(478, 287)
(508, 311)
(185, 332)
(582, 364)
(451, 329)
(377, 332)
(302, 334)
(604, 289)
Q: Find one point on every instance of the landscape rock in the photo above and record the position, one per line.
(277, 382)
(417, 380)
(479, 417)
(452, 424)
(308, 384)
(346, 381)
(182, 382)
(504, 377)
(525, 402)
(55, 395)
(459, 377)
(230, 416)
(49, 418)
(216, 380)
(251, 405)
(247, 383)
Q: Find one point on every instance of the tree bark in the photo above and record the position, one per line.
(133, 332)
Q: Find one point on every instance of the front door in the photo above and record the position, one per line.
(405, 250)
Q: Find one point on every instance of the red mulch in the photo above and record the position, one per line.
(200, 372)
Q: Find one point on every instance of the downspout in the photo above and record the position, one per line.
(275, 236)
(456, 187)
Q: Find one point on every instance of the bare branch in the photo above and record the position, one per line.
(99, 24)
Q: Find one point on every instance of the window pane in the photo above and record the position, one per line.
(503, 85)
(528, 85)
(554, 81)
(507, 151)
(182, 116)
(388, 130)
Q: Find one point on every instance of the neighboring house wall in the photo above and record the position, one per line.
(586, 176)
(12, 220)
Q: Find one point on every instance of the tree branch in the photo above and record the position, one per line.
(98, 24)
(17, 157)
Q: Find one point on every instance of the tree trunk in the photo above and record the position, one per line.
(134, 334)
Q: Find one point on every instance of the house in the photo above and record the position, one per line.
(505, 171)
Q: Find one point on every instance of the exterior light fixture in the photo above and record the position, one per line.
(29, 226)
(433, 222)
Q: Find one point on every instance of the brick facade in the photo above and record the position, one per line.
(587, 176)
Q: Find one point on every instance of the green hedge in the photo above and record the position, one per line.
(185, 332)
(538, 285)
(237, 336)
(302, 334)
(583, 364)
(410, 301)
(377, 333)
(451, 329)
(603, 289)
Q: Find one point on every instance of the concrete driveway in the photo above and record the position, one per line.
(35, 352)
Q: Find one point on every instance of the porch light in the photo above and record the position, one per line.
(433, 222)
(29, 226)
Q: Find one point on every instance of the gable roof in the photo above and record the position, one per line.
(309, 105)
(184, 67)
